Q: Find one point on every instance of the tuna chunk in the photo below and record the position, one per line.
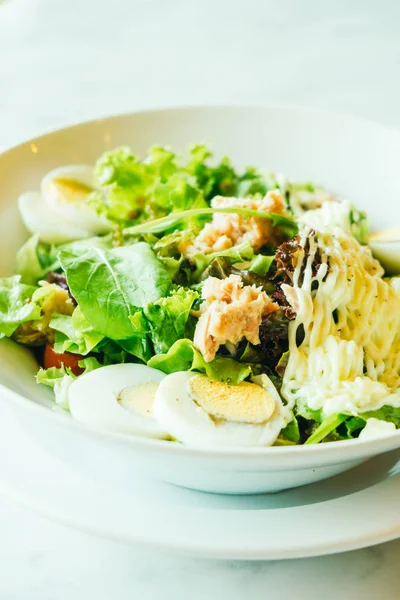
(227, 230)
(231, 312)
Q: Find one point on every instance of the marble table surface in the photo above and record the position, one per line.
(62, 61)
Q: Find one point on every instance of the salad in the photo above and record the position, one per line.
(181, 299)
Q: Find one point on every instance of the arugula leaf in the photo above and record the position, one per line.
(183, 356)
(112, 285)
(16, 304)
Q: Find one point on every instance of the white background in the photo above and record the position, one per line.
(62, 61)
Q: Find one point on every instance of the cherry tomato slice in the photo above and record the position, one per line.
(54, 359)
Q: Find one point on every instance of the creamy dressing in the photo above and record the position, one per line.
(350, 357)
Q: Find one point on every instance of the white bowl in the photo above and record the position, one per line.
(354, 158)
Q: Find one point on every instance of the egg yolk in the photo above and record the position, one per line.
(139, 398)
(70, 190)
(242, 403)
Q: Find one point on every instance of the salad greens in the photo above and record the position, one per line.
(136, 294)
(134, 190)
(110, 286)
(16, 305)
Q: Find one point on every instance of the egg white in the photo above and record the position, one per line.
(190, 424)
(74, 209)
(93, 400)
(38, 218)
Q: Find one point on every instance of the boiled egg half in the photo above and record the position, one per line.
(60, 211)
(118, 398)
(385, 246)
(199, 411)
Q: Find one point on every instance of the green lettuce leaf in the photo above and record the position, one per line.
(167, 318)
(133, 190)
(60, 379)
(387, 413)
(344, 426)
(261, 264)
(28, 264)
(34, 260)
(112, 285)
(183, 356)
(291, 432)
(74, 333)
(16, 305)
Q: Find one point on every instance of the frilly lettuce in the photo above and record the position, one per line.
(59, 379)
(16, 306)
(74, 333)
(344, 426)
(183, 356)
(131, 190)
(167, 318)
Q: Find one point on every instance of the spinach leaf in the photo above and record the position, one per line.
(112, 285)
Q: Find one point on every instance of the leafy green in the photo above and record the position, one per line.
(106, 242)
(112, 285)
(178, 358)
(255, 181)
(34, 260)
(183, 356)
(327, 426)
(261, 264)
(139, 346)
(167, 318)
(74, 333)
(386, 413)
(16, 306)
(200, 262)
(291, 432)
(48, 299)
(172, 220)
(27, 262)
(60, 379)
(342, 426)
(134, 190)
(359, 225)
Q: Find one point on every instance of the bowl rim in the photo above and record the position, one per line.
(153, 445)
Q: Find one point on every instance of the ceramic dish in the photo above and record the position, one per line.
(335, 150)
(322, 518)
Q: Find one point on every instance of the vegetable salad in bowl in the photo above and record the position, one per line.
(183, 300)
